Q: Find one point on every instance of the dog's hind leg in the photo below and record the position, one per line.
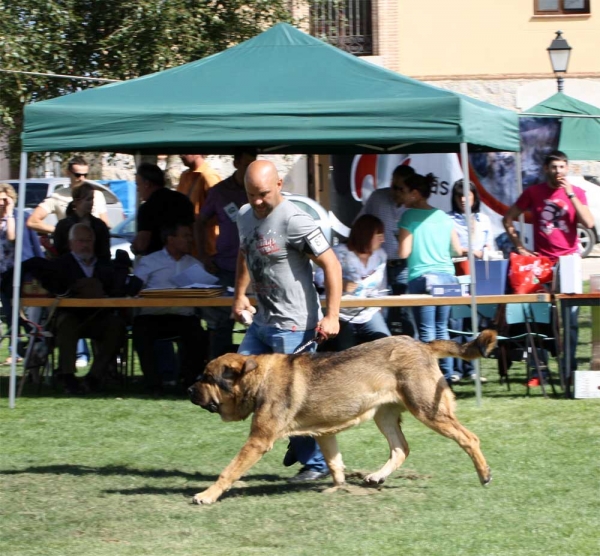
(443, 420)
(333, 458)
(387, 419)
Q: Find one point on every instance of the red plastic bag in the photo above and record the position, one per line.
(527, 273)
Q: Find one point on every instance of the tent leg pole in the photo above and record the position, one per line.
(464, 158)
(16, 300)
(519, 176)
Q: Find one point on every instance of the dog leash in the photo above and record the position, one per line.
(320, 336)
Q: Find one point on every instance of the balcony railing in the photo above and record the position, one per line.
(347, 24)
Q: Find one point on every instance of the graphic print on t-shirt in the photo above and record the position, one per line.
(259, 248)
(554, 215)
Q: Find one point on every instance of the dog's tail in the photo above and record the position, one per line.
(479, 347)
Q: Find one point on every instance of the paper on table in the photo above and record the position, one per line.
(203, 286)
(194, 277)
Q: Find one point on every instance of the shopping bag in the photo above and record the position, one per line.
(528, 273)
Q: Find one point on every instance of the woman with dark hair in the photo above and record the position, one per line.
(428, 240)
(481, 238)
(80, 210)
(481, 227)
(363, 263)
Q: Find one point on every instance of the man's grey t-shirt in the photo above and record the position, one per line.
(280, 269)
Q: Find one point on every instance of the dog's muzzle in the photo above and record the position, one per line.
(212, 407)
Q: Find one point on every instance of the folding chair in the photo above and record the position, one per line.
(38, 359)
(484, 312)
(528, 339)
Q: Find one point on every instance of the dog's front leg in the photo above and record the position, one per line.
(251, 452)
(333, 458)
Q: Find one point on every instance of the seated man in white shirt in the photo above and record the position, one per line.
(157, 323)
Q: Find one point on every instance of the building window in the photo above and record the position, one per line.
(561, 7)
(347, 24)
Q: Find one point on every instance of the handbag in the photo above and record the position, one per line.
(528, 273)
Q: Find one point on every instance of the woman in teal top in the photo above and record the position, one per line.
(428, 240)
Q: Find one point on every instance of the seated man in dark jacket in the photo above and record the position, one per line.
(80, 274)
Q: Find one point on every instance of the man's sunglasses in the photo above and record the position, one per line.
(78, 175)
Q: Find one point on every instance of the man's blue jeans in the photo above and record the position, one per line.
(267, 339)
(432, 322)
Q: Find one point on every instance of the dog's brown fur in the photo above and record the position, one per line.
(323, 394)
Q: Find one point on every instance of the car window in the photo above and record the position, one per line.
(125, 227)
(307, 208)
(35, 193)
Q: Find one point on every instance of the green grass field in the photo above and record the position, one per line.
(114, 475)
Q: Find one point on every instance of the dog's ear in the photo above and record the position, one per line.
(232, 372)
(249, 365)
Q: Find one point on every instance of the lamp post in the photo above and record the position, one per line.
(559, 51)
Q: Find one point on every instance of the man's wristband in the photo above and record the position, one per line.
(571, 195)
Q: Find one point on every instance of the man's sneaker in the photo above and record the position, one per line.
(290, 457)
(481, 378)
(454, 378)
(307, 474)
(81, 363)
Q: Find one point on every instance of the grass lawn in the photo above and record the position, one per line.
(114, 475)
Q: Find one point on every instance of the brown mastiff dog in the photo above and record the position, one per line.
(323, 394)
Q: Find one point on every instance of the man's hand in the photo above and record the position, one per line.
(241, 303)
(329, 326)
(564, 183)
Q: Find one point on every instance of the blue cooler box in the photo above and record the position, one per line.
(450, 290)
(491, 277)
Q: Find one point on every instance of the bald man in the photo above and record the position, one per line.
(278, 241)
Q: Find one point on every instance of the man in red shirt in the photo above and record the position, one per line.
(556, 207)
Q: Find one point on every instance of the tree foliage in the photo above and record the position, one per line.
(113, 39)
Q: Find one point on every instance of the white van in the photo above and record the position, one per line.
(37, 189)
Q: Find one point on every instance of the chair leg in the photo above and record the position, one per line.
(533, 347)
(130, 371)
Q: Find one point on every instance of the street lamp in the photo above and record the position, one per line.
(559, 51)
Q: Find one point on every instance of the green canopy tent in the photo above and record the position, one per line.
(283, 92)
(580, 125)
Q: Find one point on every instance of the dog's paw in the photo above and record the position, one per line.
(374, 479)
(487, 478)
(203, 499)
(485, 481)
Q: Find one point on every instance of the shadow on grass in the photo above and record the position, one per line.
(277, 485)
(47, 389)
(111, 470)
